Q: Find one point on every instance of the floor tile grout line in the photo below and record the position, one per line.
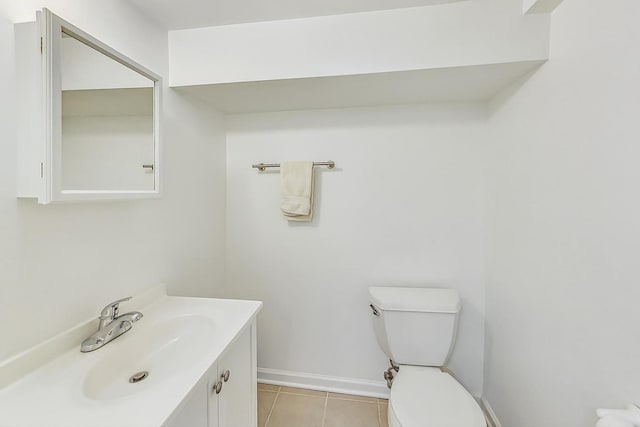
(301, 394)
(354, 400)
(330, 397)
(273, 405)
(324, 412)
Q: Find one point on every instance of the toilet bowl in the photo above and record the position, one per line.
(416, 328)
(427, 397)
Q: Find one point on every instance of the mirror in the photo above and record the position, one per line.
(101, 119)
(107, 122)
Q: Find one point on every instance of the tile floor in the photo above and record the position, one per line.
(297, 407)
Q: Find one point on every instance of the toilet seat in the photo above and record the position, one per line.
(427, 397)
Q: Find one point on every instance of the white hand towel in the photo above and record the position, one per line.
(296, 180)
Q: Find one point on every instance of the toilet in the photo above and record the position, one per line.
(416, 329)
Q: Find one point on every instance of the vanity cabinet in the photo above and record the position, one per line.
(214, 402)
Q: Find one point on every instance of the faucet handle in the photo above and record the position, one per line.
(110, 311)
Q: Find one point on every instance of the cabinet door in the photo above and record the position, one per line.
(237, 401)
(192, 412)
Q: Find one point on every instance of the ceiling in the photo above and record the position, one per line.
(181, 14)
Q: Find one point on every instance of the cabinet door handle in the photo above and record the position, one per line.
(225, 376)
(218, 387)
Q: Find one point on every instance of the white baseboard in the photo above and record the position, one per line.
(324, 383)
(490, 414)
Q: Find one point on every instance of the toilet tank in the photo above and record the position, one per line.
(415, 326)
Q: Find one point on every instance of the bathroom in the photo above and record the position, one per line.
(513, 185)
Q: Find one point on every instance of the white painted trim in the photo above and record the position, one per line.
(324, 383)
(493, 419)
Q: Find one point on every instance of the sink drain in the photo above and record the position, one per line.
(138, 376)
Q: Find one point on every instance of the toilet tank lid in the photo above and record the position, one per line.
(428, 300)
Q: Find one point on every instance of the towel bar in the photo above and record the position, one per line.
(263, 166)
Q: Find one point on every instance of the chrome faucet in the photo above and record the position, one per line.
(111, 326)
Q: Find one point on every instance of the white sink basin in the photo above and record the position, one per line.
(177, 341)
(162, 350)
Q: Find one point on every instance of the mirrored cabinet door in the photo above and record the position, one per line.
(100, 121)
(107, 139)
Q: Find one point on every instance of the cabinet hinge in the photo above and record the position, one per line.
(41, 44)
(41, 170)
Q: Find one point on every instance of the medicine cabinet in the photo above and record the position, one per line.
(89, 117)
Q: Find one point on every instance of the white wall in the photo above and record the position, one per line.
(430, 37)
(59, 264)
(563, 277)
(403, 207)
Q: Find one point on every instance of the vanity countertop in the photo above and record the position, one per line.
(92, 389)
